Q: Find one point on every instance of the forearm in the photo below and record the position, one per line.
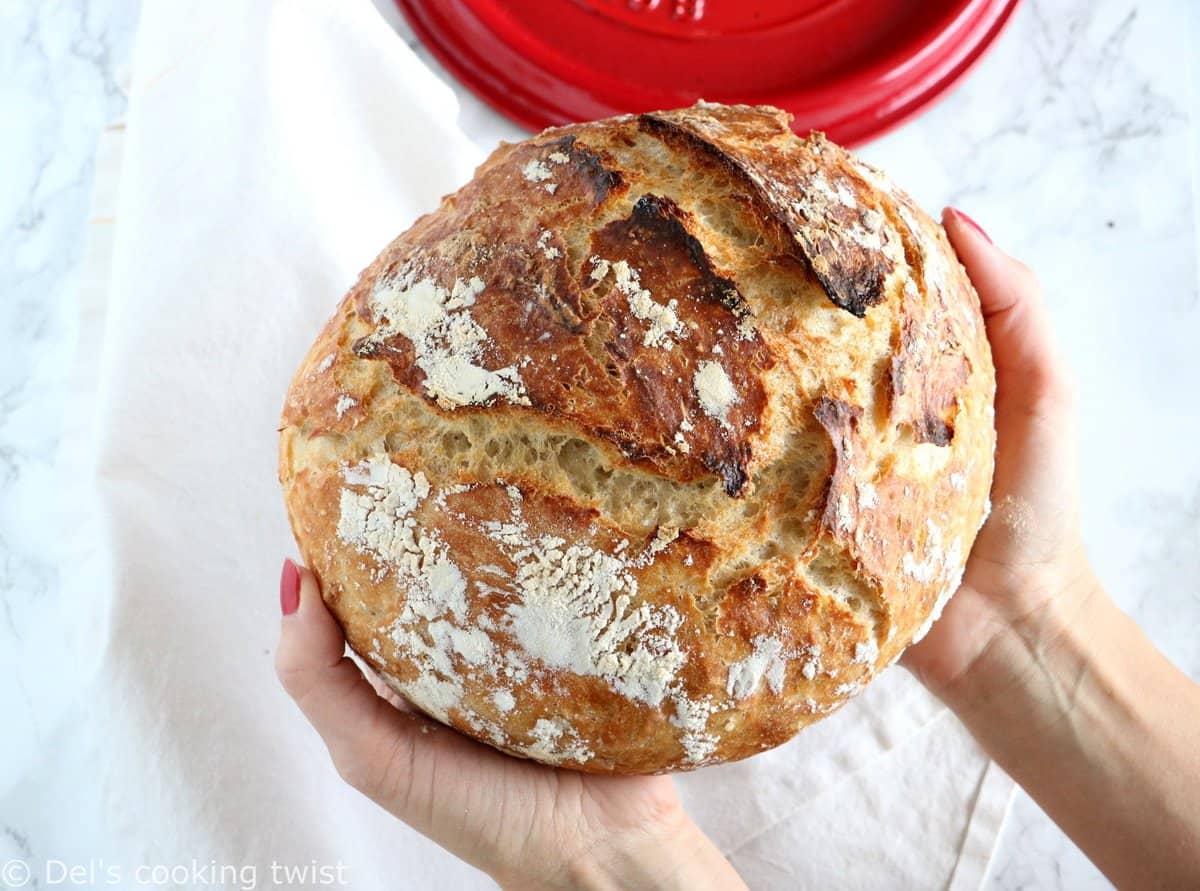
(1102, 731)
(671, 858)
(688, 861)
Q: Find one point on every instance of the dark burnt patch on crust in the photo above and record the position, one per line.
(731, 468)
(590, 167)
(396, 350)
(807, 186)
(672, 268)
(658, 219)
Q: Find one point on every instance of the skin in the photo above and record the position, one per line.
(1058, 685)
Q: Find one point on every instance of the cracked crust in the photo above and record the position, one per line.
(715, 398)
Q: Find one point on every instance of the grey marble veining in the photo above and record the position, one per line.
(1074, 143)
(60, 72)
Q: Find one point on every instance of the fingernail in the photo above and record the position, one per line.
(970, 222)
(289, 588)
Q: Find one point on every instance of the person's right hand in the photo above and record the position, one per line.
(1027, 574)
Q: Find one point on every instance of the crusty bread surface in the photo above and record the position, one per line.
(650, 446)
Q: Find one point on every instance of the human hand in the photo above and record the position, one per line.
(526, 825)
(1027, 577)
(1053, 680)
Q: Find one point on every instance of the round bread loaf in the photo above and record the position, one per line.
(650, 446)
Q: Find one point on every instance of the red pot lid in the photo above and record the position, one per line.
(853, 68)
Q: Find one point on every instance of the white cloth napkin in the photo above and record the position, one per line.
(272, 150)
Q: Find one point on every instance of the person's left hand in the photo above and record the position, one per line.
(526, 825)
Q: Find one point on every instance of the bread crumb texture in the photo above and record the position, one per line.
(649, 447)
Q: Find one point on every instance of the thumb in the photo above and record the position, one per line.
(429, 777)
(361, 730)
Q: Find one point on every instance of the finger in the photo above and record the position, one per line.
(1018, 323)
(1034, 486)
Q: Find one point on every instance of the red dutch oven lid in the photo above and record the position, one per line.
(853, 68)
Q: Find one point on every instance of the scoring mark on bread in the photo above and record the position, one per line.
(821, 202)
(840, 420)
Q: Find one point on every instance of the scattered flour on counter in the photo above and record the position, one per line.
(447, 340)
(714, 389)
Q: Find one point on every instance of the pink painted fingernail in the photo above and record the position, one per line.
(970, 222)
(289, 588)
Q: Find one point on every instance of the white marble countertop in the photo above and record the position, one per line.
(1078, 148)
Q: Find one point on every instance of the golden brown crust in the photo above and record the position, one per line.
(650, 446)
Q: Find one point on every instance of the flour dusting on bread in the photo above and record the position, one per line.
(447, 340)
(715, 390)
(577, 610)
